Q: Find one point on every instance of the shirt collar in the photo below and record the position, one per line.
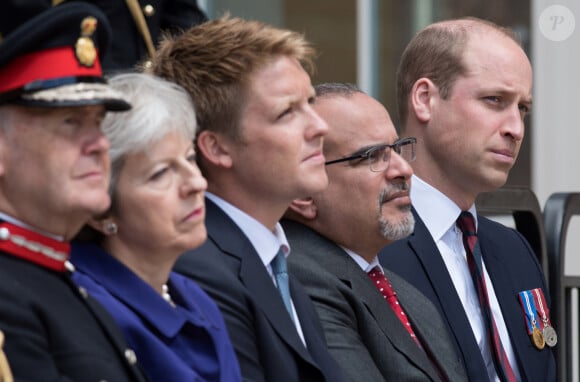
(362, 263)
(266, 243)
(438, 212)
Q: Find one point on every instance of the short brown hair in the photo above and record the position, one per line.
(213, 61)
(436, 52)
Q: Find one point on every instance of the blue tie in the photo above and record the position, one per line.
(280, 272)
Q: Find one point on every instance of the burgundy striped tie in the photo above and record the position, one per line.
(466, 224)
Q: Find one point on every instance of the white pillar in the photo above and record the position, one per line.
(367, 46)
(556, 122)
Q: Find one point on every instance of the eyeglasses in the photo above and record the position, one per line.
(379, 156)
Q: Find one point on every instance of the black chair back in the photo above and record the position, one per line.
(522, 205)
(558, 211)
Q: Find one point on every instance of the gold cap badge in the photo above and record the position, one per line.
(85, 47)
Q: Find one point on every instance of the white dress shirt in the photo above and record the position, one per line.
(439, 214)
(10, 219)
(265, 242)
(362, 263)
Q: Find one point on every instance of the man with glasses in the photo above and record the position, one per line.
(374, 333)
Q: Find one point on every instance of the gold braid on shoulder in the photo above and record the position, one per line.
(5, 373)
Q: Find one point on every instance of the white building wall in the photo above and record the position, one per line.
(556, 115)
(556, 109)
(556, 124)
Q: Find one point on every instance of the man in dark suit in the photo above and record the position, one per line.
(260, 146)
(464, 89)
(336, 235)
(54, 171)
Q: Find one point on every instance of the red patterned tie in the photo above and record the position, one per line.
(466, 224)
(386, 289)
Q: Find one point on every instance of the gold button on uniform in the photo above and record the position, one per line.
(83, 292)
(130, 356)
(148, 10)
(69, 266)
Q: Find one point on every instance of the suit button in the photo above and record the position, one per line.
(130, 356)
(148, 10)
(83, 292)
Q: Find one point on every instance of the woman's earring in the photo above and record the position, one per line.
(111, 228)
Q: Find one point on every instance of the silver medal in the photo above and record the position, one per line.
(550, 336)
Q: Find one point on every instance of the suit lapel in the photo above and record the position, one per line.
(253, 274)
(386, 319)
(438, 276)
(444, 294)
(426, 322)
(338, 262)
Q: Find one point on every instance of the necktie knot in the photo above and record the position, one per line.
(279, 265)
(381, 282)
(466, 223)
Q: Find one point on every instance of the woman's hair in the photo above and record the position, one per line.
(159, 107)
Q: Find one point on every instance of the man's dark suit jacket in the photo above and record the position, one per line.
(363, 333)
(55, 333)
(265, 339)
(512, 267)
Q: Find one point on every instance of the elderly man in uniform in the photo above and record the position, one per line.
(54, 171)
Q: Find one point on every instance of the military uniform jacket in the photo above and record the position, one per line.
(55, 332)
(128, 46)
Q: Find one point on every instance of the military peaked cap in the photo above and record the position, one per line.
(53, 59)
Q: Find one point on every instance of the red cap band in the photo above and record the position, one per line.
(45, 65)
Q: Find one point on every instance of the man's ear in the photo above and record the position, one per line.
(2, 151)
(5, 145)
(422, 97)
(215, 148)
(304, 207)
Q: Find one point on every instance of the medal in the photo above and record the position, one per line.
(538, 338)
(529, 306)
(549, 333)
(550, 336)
